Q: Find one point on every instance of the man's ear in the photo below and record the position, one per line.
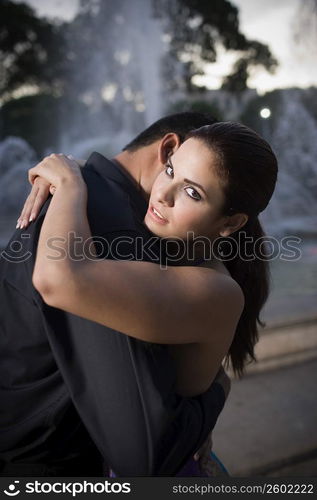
(234, 222)
(168, 145)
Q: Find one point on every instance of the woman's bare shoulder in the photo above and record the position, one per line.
(227, 286)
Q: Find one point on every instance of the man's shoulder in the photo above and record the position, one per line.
(108, 170)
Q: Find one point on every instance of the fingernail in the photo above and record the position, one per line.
(32, 217)
(18, 225)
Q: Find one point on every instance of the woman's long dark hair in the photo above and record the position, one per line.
(247, 168)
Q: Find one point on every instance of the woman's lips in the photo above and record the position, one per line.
(156, 215)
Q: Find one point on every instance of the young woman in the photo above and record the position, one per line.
(214, 186)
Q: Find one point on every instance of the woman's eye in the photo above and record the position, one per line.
(169, 170)
(193, 193)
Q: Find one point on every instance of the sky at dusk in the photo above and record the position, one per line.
(271, 21)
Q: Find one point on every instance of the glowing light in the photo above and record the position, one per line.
(265, 113)
(109, 91)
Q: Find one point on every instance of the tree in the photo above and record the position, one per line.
(30, 50)
(196, 29)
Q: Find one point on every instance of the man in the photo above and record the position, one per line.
(75, 394)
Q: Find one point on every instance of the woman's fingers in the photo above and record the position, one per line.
(39, 170)
(39, 201)
(55, 169)
(34, 202)
(33, 173)
(26, 210)
(43, 179)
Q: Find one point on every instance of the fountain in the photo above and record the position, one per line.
(293, 208)
(124, 94)
(118, 92)
(16, 157)
(119, 79)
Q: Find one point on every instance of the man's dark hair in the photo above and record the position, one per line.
(179, 123)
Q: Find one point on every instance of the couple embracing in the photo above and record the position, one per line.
(112, 364)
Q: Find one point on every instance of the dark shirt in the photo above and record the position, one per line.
(75, 394)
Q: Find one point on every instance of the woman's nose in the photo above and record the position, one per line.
(166, 197)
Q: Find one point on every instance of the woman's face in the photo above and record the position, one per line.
(187, 195)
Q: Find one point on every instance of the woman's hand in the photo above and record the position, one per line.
(38, 195)
(42, 187)
(56, 169)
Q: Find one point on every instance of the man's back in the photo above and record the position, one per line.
(41, 431)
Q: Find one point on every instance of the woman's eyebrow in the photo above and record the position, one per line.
(188, 180)
(195, 184)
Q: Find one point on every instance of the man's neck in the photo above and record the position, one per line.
(142, 167)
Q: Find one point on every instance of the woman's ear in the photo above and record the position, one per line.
(168, 145)
(233, 224)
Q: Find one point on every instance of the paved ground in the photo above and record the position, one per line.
(269, 424)
(301, 468)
